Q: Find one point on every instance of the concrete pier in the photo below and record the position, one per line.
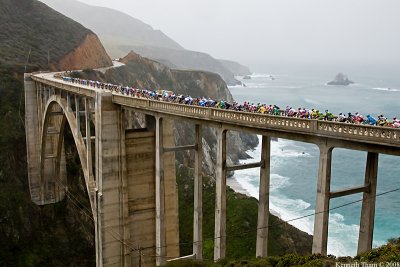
(320, 238)
(160, 196)
(32, 111)
(367, 218)
(220, 197)
(263, 200)
(112, 206)
(198, 196)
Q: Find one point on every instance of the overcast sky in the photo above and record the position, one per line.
(276, 30)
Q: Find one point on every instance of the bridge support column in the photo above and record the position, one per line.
(220, 197)
(112, 207)
(263, 202)
(160, 196)
(32, 122)
(320, 239)
(198, 197)
(368, 205)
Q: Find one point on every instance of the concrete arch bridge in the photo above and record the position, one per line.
(130, 175)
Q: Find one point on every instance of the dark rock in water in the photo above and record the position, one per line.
(340, 79)
(247, 77)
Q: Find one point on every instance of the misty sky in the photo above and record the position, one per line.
(276, 30)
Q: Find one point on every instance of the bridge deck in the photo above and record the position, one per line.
(306, 130)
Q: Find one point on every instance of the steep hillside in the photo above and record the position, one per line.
(121, 33)
(194, 83)
(235, 67)
(185, 59)
(113, 27)
(33, 33)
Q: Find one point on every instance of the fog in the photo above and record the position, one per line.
(256, 31)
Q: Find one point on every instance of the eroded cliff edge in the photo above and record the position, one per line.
(90, 54)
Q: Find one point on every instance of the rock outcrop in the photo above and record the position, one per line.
(340, 79)
(88, 55)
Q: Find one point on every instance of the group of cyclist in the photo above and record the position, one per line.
(304, 113)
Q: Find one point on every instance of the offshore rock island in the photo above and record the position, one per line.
(340, 79)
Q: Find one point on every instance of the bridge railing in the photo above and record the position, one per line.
(324, 128)
(180, 108)
(263, 120)
(363, 132)
(73, 88)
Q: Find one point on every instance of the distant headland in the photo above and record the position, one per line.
(340, 79)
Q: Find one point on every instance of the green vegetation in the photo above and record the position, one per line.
(241, 223)
(384, 254)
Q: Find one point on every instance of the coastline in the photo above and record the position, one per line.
(234, 184)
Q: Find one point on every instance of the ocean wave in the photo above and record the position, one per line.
(261, 75)
(388, 89)
(280, 149)
(236, 86)
(279, 182)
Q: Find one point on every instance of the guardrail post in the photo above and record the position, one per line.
(314, 126)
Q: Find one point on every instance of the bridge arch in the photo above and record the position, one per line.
(56, 114)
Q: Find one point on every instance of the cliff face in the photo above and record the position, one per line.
(150, 74)
(90, 54)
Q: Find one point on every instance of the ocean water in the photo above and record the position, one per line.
(294, 165)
